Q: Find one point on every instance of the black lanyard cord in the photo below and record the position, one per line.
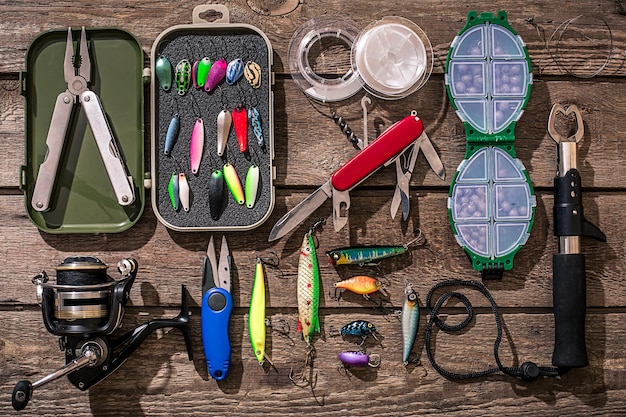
(527, 371)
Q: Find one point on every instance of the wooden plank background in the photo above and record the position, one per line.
(159, 380)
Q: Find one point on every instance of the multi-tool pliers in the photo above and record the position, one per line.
(77, 75)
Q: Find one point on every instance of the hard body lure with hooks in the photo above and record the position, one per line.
(172, 134)
(358, 359)
(163, 70)
(368, 255)
(362, 284)
(410, 321)
(233, 183)
(360, 328)
(255, 121)
(240, 121)
(184, 192)
(252, 185)
(173, 191)
(216, 193)
(308, 289)
(224, 121)
(256, 314)
(252, 72)
(204, 66)
(216, 74)
(234, 71)
(196, 146)
(183, 77)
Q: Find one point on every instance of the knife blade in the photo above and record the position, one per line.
(358, 168)
(432, 157)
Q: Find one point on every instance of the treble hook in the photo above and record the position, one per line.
(301, 380)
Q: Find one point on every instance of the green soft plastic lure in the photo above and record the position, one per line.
(308, 289)
(256, 314)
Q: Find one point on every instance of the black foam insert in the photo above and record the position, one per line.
(215, 43)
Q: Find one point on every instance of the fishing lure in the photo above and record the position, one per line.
(183, 77)
(362, 284)
(216, 193)
(204, 66)
(360, 328)
(172, 134)
(224, 121)
(234, 71)
(194, 74)
(252, 72)
(216, 74)
(233, 183)
(256, 314)
(410, 321)
(308, 289)
(358, 359)
(252, 185)
(173, 190)
(240, 121)
(196, 146)
(183, 191)
(368, 255)
(163, 69)
(255, 121)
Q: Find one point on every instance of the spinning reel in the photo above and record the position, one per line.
(84, 308)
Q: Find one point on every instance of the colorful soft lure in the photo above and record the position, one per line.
(196, 146)
(362, 284)
(173, 190)
(410, 321)
(163, 70)
(183, 77)
(216, 74)
(224, 121)
(233, 183)
(204, 66)
(216, 193)
(308, 289)
(240, 121)
(255, 121)
(369, 255)
(184, 192)
(252, 72)
(172, 134)
(256, 314)
(252, 185)
(234, 71)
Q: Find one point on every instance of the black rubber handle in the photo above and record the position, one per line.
(569, 294)
(22, 393)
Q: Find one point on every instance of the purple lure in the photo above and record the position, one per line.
(216, 74)
(354, 358)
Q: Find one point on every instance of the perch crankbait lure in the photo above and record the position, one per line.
(410, 321)
(163, 70)
(183, 191)
(308, 288)
(172, 134)
(240, 121)
(358, 359)
(368, 255)
(183, 77)
(234, 71)
(216, 74)
(362, 284)
(255, 121)
(174, 191)
(224, 121)
(204, 66)
(256, 314)
(233, 183)
(216, 193)
(196, 146)
(252, 72)
(252, 185)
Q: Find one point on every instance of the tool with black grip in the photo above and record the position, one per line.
(568, 266)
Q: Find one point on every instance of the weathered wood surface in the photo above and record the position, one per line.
(158, 379)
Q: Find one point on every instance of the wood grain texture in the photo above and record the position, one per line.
(158, 380)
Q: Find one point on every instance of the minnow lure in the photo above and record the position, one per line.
(308, 289)
(216, 74)
(224, 121)
(163, 70)
(216, 193)
(173, 190)
(361, 328)
(196, 146)
(359, 359)
(256, 314)
(172, 134)
(252, 185)
(240, 121)
(368, 255)
(234, 71)
(233, 183)
(362, 284)
(255, 121)
(183, 77)
(183, 191)
(410, 321)
(252, 72)
(204, 66)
